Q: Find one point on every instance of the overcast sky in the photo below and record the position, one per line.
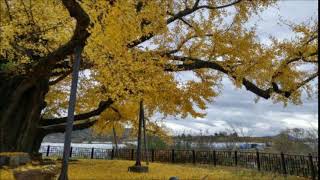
(236, 107)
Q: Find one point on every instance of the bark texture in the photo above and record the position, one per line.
(22, 99)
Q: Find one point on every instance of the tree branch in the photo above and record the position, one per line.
(64, 75)
(60, 128)
(219, 7)
(79, 38)
(8, 8)
(189, 63)
(186, 22)
(117, 111)
(181, 44)
(295, 59)
(102, 106)
(313, 76)
(179, 15)
(192, 64)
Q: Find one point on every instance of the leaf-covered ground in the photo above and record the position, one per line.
(117, 169)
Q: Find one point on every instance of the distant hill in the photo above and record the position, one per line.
(85, 135)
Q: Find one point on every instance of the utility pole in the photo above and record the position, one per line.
(69, 124)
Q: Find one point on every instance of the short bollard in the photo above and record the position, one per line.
(92, 153)
(193, 156)
(48, 150)
(112, 153)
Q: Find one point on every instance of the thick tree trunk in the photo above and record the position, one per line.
(21, 102)
(37, 141)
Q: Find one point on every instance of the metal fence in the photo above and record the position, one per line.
(299, 165)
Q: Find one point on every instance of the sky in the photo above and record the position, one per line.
(237, 108)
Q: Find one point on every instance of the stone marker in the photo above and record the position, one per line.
(14, 159)
(174, 178)
(41, 173)
(139, 169)
(36, 156)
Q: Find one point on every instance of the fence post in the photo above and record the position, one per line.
(70, 151)
(48, 150)
(92, 152)
(152, 155)
(214, 158)
(172, 155)
(283, 164)
(258, 161)
(313, 174)
(132, 154)
(235, 158)
(194, 156)
(112, 153)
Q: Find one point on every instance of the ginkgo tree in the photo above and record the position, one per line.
(134, 49)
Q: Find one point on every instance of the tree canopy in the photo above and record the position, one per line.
(134, 49)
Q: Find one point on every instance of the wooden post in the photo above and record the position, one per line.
(132, 154)
(214, 158)
(193, 156)
(258, 161)
(152, 155)
(70, 152)
(115, 141)
(112, 153)
(313, 174)
(71, 107)
(48, 150)
(141, 117)
(236, 158)
(172, 155)
(92, 152)
(283, 164)
(145, 141)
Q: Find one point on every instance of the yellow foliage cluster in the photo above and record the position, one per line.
(183, 33)
(36, 26)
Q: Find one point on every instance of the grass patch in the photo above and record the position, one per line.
(118, 170)
(6, 174)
